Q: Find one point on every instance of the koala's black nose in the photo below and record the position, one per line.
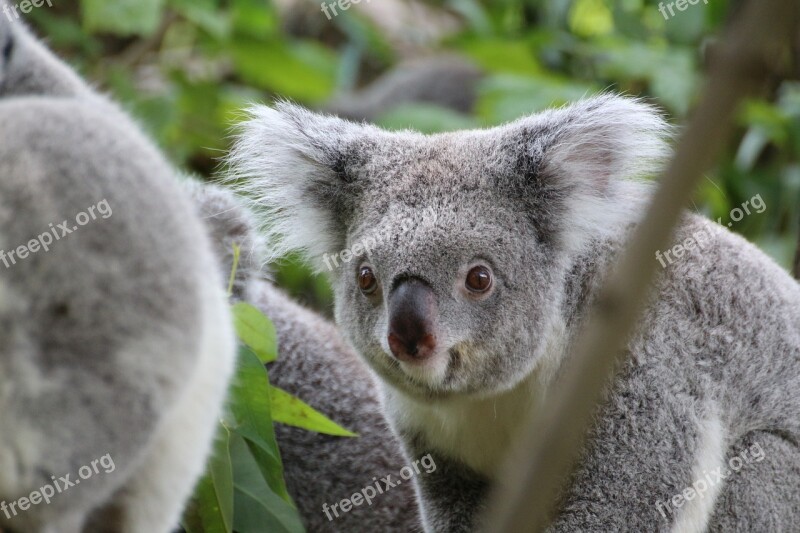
(412, 321)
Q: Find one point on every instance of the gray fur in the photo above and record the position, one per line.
(231, 225)
(546, 203)
(116, 341)
(764, 496)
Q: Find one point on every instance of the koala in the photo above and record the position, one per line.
(316, 365)
(116, 344)
(463, 265)
(322, 470)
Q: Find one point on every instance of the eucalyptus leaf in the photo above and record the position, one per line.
(256, 331)
(211, 509)
(294, 412)
(258, 508)
(252, 419)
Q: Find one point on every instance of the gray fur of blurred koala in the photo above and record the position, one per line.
(115, 337)
(541, 207)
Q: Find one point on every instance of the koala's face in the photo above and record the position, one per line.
(448, 253)
(450, 284)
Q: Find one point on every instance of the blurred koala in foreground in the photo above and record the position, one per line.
(115, 338)
(469, 315)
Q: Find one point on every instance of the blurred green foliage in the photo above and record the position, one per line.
(187, 68)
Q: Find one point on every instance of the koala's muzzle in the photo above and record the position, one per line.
(412, 320)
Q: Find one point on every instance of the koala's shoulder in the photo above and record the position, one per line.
(719, 294)
(712, 262)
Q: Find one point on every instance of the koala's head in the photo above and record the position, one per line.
(231, 225)
(26, 66)
(448, 253)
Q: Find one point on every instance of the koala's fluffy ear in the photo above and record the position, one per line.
(230, 223)
(300, 169)
(581, 156)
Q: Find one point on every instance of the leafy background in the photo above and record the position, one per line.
(186, 68)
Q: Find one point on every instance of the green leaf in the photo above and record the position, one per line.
(257, 507)
(686, 26)
(122, 17)
(252, 419)
(294, 412)
(508, 97)
(474, 13)
(211, 510)
(671, 72)
(499, 55)
(205, 14)
(256, 331)
(590, 18)
(768, 118)
(255, 18)
(300, 70)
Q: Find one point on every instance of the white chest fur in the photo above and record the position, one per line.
(480, 432)
(476, 431)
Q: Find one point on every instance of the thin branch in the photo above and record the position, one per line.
(755, 47)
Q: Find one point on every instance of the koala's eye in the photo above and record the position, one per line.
(367, 281)
(479, 279)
